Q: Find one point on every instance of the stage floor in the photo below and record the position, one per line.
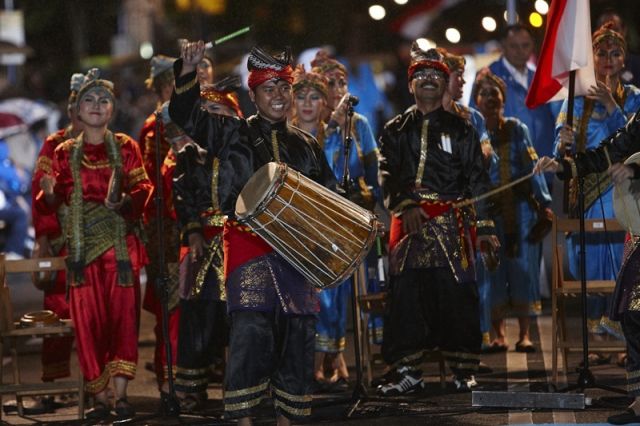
(511, 371)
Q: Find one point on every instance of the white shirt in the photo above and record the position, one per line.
(520, 77)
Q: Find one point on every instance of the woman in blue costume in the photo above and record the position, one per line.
(514, 285)
(606, 108)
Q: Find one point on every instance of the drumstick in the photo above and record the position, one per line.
(228, 37)
(493, 191)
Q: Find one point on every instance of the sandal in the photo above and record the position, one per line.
(521, 347)
(124, 408)
(100, 411)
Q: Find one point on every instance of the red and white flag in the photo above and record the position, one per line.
(566, 47)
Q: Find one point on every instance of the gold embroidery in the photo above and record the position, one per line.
(243, 405)
(180, 90)
(291, 397)
(136, 175)
(327, 344)
(247, 391)
(99, 384)
(100, 164)
(301, 412)
(532, 153)
(45, 164)
(485, 223)
(192, 225)
(423, 152)
(121, 368)
(274, 145)
(215, 173)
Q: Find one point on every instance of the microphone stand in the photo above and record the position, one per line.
(169, 404)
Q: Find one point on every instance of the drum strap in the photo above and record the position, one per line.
(259, 144)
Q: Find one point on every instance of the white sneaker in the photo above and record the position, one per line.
(464, 384)
(410, 382)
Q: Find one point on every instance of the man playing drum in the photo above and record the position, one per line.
(625, 307)
(271, 305)
(432, 160)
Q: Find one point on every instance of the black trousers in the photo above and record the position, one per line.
(203, 335)
(428, 310)
(270, 351)
(631, 328)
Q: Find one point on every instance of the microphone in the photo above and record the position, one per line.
(353, 100)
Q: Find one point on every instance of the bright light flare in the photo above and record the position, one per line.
(377, 12)
(489, 24)
(453, 35)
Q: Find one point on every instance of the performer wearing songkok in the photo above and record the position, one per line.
(56, 351)
(271, 305)
(609, 157)
(431, 159)
(99, 175)
(204, 326)
(597, 116)
(521, 214)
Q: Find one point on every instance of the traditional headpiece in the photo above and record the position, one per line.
(452, 61)
(606, 32)
(263, 67)
(486, 76)
(223, 92)
(74, 86)
(302, 79)
(421, 59)
(322, 63)
(171, 129)
(92, 81)
(161, 71)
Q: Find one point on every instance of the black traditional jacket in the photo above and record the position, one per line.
(231, 143)
(448, 165)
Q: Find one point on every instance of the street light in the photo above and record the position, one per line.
(146, 50)
(535, 19)
(453, 35)
(377, 12)
(489, 24)
(542, 7)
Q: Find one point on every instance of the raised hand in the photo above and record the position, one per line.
(192, 54)
(602, 93)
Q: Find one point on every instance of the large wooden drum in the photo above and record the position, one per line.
(626, 200)
(323, 235)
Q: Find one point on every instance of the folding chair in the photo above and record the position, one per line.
(11, 331)
(563, 288)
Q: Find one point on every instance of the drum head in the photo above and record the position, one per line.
(258, 188)
(39, 319)
(625, 203)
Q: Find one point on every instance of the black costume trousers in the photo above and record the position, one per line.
(270, 351)
(428, 310)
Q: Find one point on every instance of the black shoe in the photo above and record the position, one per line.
(390, 376)
(627, 417)
(100, 411)
(124, 409)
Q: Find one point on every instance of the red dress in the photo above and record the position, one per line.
(106, 315)
(56, 351)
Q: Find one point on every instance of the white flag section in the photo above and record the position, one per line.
(572, 52)
(566, 47)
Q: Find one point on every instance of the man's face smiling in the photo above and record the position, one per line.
(272, 99)
(428, 85)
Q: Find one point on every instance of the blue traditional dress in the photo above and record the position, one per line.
(598, 191)
(484, 290)
(514, 284)
(364, 189)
